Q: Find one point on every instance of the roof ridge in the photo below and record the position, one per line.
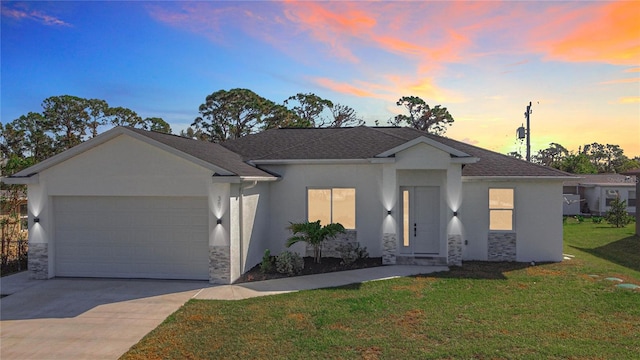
(379, 129)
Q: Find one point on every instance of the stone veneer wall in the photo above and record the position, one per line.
(219, 264)
(38, 261)
(502, 247)
(389, 248)
(454, 249)
(330, 246)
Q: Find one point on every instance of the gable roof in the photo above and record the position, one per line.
(209, 155)
(602, 180)
(371, 142)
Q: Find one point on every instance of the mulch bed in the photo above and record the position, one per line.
(328, 264)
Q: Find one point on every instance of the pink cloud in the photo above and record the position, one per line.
(32, 15)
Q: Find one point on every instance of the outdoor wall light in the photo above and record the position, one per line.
(36, 219)
(388, 212)
(219, 221)
(455, 213)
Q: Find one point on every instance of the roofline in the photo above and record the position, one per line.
(423, 140)
(105, 137)
(20, 180)
(222, 179)
(307, 161)
(511, 178)
(606, 184)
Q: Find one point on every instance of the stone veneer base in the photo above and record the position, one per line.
(38, 261)
(219, 264)
(501, 247)
(330, 246)
(389, 248)
(454, 255)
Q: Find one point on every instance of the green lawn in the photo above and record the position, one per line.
(479, 311)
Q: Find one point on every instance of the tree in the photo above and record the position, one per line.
(576, 164)
(157, 124)
(232, 114)
(515, 154)
(617, 214)
(344, 115)
(68, 119)
(309, 108)
(421, 116)
(607, 158)
(551, 155)
(313, 234)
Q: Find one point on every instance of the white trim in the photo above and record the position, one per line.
(465, 160)
(423, 140)
(21, 180)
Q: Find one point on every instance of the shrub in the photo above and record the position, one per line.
(596, 219)
(351, 253)
(618, 215)
(289, 263)
(266, 266)
(580, 218)
(313, 234)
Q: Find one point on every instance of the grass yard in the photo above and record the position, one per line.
(479, 311)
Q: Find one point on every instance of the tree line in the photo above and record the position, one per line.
(594, 158)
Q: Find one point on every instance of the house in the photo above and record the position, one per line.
(593, 193)
(139, 204)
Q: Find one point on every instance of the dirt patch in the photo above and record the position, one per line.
(328, 264)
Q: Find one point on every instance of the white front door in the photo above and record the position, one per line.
(420, 220)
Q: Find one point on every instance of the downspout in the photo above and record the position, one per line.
(241, 189)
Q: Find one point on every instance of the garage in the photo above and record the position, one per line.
(131, 237)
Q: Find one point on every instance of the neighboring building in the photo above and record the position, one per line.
(593, 193)
(140, 204)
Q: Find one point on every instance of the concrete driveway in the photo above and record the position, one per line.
(84, 318)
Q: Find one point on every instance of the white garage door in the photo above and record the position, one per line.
(131, 237)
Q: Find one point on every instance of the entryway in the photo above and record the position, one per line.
(420, 225)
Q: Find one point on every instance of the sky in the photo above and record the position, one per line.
(578, 63)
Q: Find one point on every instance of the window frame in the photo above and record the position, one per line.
(23, 216)
(331, 214)
(512, 209)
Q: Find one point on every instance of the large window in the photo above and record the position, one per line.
(610, 196)
(335, 205)
(632, 198)
(501, 209)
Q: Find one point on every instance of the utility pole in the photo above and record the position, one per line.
(527, 115)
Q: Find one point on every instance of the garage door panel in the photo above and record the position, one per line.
(137, 237)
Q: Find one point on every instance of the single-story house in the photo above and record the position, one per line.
(141, 204)
(593, 193)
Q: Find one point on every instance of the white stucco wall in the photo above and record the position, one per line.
(538, 218)
(123, 166)
(289, 200)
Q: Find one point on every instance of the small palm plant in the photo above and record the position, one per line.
(313, 234)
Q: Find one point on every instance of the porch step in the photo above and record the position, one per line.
(422, 260)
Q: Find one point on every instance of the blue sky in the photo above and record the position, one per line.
(578, 62)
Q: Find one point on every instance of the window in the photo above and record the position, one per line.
(501, 209)
(336, 205)
(610, 196)
(632, 198)
(24, 217)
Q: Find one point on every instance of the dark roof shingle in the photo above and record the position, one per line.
(367, 142)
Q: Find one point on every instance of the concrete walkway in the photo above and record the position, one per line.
(102, 318)
(309, 282)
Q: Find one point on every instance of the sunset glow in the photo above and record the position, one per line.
(577, 62)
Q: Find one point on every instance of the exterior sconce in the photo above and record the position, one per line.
(36, 220)
(219, 221)
(388, 212)
(455, 213)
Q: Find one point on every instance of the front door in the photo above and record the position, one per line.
(420, 220)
